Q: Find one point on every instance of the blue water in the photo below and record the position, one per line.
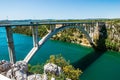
(106, 67)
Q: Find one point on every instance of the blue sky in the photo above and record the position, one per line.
(59, 9)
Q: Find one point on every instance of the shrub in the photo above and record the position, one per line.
(68, 70)
(38, 69)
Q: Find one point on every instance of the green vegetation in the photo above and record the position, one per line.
(73, 35)
(38, 69)
(68, 71)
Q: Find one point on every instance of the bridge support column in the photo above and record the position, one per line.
(52, 27)
(35, 35)
(85, 28)
(10, 44)
(35, 44)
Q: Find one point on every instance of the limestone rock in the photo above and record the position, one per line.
(52, 68)
(9, 74)
(44, 77)
(18, 71)
(68, 79)
(37, 77)
(22, 65)
(20, 75)
(4, 65)
(52, 78)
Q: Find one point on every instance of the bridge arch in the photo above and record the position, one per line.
(80, 28)
(53, 32)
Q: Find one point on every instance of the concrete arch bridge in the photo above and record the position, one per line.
(89, 29)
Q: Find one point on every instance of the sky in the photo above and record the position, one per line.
(58, 9)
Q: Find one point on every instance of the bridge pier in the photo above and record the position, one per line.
(35, 43)
(85, 27)
(10, 44)
(52, 27)
(35, 35)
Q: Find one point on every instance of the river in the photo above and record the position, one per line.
(106, 67)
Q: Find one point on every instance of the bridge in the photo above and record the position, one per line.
(89, 29)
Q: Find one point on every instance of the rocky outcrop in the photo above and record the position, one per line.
(52, 68)
(37, 77)
(18, 71)
(4, 66)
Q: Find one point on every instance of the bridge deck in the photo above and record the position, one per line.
(34, 23)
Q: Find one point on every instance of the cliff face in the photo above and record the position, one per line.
(113, 40)
(101, 35)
